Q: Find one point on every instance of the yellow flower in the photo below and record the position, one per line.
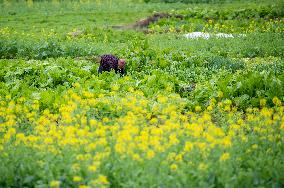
(188, 146)
(197, 108)
(119, 148)
(227, 108)
(209, 108)
(136, 157)
(213, 101)
(77, 178)
(131, 89)
(115, 87)
(228, 102)
(179, 157)
(48, 140)
(76, 84)
(8, 97)
(201, 146)
(224, 156)
(249, 110)
(102, 179)
(202, 166)
(174, 167)
(240, 121)
(169, 88)
(276, 101)
(54, 184)
(150, 154)
(84, 186)
(282, 126)
(227, 141)
(183, 118)
(93, 123)
(220, 94)
(266, 112)
(162, 99)
(105, 119)
(92, 168)
(173, 139)
(262, 102)
(154, 121)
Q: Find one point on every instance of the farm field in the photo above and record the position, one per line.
(191, 112)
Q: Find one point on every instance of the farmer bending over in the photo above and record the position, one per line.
(109, 62)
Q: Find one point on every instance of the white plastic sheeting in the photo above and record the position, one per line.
(195, 35)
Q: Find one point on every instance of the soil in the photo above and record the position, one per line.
(144, 23)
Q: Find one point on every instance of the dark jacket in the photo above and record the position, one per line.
(110, 62)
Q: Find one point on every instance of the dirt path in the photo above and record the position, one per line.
(144, 23)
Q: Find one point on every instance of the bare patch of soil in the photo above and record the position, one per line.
(144, 23)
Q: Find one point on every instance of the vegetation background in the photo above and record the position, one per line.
(190, 112)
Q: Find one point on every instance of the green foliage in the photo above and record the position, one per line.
(48, 50)
(255, 86)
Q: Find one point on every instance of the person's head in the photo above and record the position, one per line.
(121, 63)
